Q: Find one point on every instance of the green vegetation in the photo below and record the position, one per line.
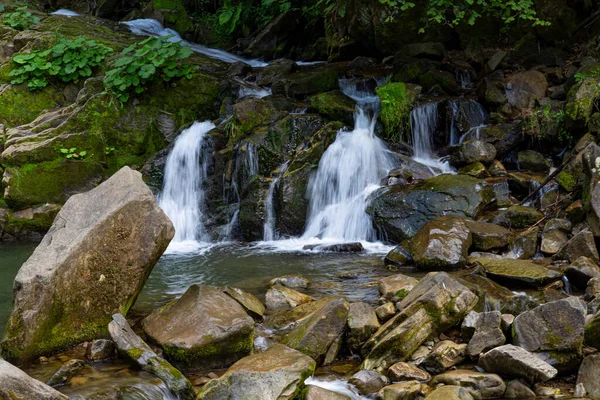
(20, 19)
(143, 62)
(72, 153)
(396, 103)
(67, 61)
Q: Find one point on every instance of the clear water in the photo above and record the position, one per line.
(269, 232)
(423, 123)
(66, 13)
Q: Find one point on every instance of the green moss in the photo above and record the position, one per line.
(20, 106)
(396, 103)
(566, 180)
(134, 354)
(175, 15)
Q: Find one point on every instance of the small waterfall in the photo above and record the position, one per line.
(66, 13)
(270, 216)
(453, 130)
(423, 123)
(464, 78)
(349, 170)
(182, 198)
(256, 93)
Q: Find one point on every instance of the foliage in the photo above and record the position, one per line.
(109, 150)
(544, 123)
(72, 153)
(20, 19)
(142, 62)
(581, 76)
(396, 103)
(67, 61)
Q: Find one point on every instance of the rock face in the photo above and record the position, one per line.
(16, 384)
(92, 263)
(278, 373)
(204, 328)
(435, 304)
(515, 361)
(136, 350)
(479, 385)
(399, 211)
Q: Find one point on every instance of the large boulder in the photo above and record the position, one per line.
(519, 272)
(92, 263)
(278, 373)
(400, 211)
(204, 328)
(435, 304)
(515, 361)
(16, 384)
(473, 151)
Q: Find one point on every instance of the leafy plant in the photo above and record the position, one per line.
(73, 154)
(20, 19)
(109, 150)
(142, 62)
(67, 61)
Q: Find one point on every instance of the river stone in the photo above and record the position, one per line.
(588, 376)
(67, 371)
(396, 286)
(318, 393)
(488, 333)
(581, 271)
(488, 236)
(398, 257)
(521, 183)
(479, 385)
(435, 304)
(444, 355)
(473, 151)
(519, 272)
(278, 373)
(279, 297)
(93, 262)
(250, 303)
(531, 160)
(450, 392)
(581, 244)
(515, 361)
(290, 281)
(316, 334)
(399, 211)
(132, 347)
(518, 217)
(204, 328)
(402, 371)
(441, 244)
(409, 390)
(593, 289)
(385, 311)
(467, 328)
(362, 324)
(100, 349)
(523, 88)
(16, 384)
(368, 381)
(555, 235)
(515, 389)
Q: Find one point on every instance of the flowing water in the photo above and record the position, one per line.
(269, 232)
(424, 123)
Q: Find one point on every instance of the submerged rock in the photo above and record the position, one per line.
(479, 385)
(290, 281)
(278, 373)
(205, 328)
(66, 372)
(519, 272)
(515, 361)
(16, 384)
(92, 263)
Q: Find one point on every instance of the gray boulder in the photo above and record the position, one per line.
(16, 384)
(588, 376)
(488, 333)
(444, 355)
(515, 361)
(581, 271)
(362, 324)
(479, 385)
(92, 263)
(582, 244)
(277, 373)
(555, 235)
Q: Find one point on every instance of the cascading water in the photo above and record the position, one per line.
(182, 198)
(423, 123)
(270, 217)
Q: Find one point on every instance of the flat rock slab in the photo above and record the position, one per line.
(517, 272)
(515, 361)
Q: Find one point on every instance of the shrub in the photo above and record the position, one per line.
(20, 19)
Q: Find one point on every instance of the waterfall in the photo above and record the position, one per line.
(349, 170)
(182, 198)
(423, 123)
(270, 217)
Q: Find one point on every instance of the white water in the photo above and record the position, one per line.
(182, 198)
(270, 216)
(423, 123)
(66, 13)
(338, 386)
(257, 93)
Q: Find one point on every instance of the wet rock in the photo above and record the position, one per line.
(409, 171)
(136, 350)
(409, 390)
(204, 328)
(588, 376)
(306, 82)
(396, 286)
(515, 361)
(318, 393)
(334, 106)
(592, 332)
(519, 272)
(92, 263)
(523, 88)
(100, 349)
(402, 371)
(285, 320)
(368, 381)
(280, 297)
(581, 99)
(444, 355)
(518, 217)
(254, 112)
(441, 244)
(479, 385)
(16, 384)
(496, 169)
(581, 271)
(593, 289)
(450, 392)
(488, 333)
(398, 257)
(556, 235)
(516, 389)
(385, 311)
(250, 303)
(525, 245)
(356, 247)
(67, 371)
(435, 304)
(507, 323)
(473, 151)
(531, 160)
(476, 170)
(430, 50)
(488, 236)
(278, 373)
(290, 281)
(582, 244)
(318, 333)
(575, 211)
(362, 324)
(399, 211)
(467, 328)
(523, 183)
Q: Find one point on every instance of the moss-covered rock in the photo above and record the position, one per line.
(518, 217)
(519, 272)
(531, 160)
(581, 99)
(27, 224)
(397, 99)
(304, 83)
(334, 106)
(174, 14)
(20, 106)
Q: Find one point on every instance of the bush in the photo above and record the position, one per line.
(20, 19)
